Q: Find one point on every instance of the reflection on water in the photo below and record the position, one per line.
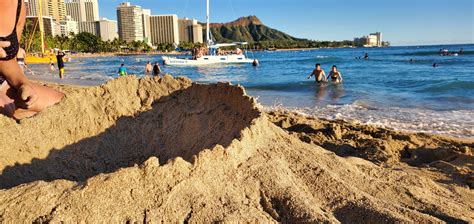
(321, 89)
(337, 92)
(328, 93)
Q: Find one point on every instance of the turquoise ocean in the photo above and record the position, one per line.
(397, 87)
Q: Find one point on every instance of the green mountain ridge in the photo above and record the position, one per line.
(248, 29)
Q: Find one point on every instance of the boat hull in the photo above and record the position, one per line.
(207, 60)
(30, 59)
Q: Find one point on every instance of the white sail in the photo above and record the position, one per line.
(238, 57)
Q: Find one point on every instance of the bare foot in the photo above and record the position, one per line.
(28, 95)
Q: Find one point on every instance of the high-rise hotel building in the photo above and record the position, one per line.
(83, 10)
(164, 29)
(55, 9)
(130, 22)
(190, 31)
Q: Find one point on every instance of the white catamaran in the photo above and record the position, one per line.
(211, 57)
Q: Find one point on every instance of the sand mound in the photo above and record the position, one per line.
(96, 158)
(451, 156)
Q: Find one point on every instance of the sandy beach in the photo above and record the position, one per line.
(167, 150)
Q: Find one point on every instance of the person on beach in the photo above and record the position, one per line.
(148, 68)
(335, 75)
(122, 70)
(20, 58)
(60, 60)
(19, 97)
(156, 69)
(319, 74)
(51, 65)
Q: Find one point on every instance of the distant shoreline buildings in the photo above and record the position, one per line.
(137, 24)
(66, 17)
(371, 40)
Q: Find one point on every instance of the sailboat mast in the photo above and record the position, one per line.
(207, 27)
(41, 24)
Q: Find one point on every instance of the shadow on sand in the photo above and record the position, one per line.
(179, 125)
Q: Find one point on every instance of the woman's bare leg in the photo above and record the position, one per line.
(46, 97)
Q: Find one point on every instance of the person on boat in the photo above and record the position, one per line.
(60, 60)
(319, 74)
(238, 51)
(156, 69)
(19, 97)
(122, 70)
(335, 75)
(148, 68)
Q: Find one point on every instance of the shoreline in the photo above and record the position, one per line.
(68, 83)
(98, 55)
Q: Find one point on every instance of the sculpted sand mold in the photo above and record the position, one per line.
(96, 158)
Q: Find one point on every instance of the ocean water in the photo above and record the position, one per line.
(386, 90)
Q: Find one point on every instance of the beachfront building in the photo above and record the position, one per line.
(50, 26)
(83, 10)
(371, 40)
(69, 26)
(164, 29)
(32, 7)
(130, 22)
(190, 31)
(52, 8)
(56, 9)
(146, 13)
(107, 29)
(88, 27)
(197, 33)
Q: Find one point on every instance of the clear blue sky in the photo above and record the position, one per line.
(403, 22)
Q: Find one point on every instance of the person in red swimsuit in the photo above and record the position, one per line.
(19, 98)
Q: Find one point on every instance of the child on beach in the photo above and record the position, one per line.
(51, 65)
(122, 70)
(19, 98)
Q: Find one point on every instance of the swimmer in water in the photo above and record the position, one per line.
(319, 74)
(122, 70)
(335, 75)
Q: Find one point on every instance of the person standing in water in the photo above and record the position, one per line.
(319, 74)
(156, 69)
(335, 75)
(122, 70)
(59, 58)
(148, 68)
